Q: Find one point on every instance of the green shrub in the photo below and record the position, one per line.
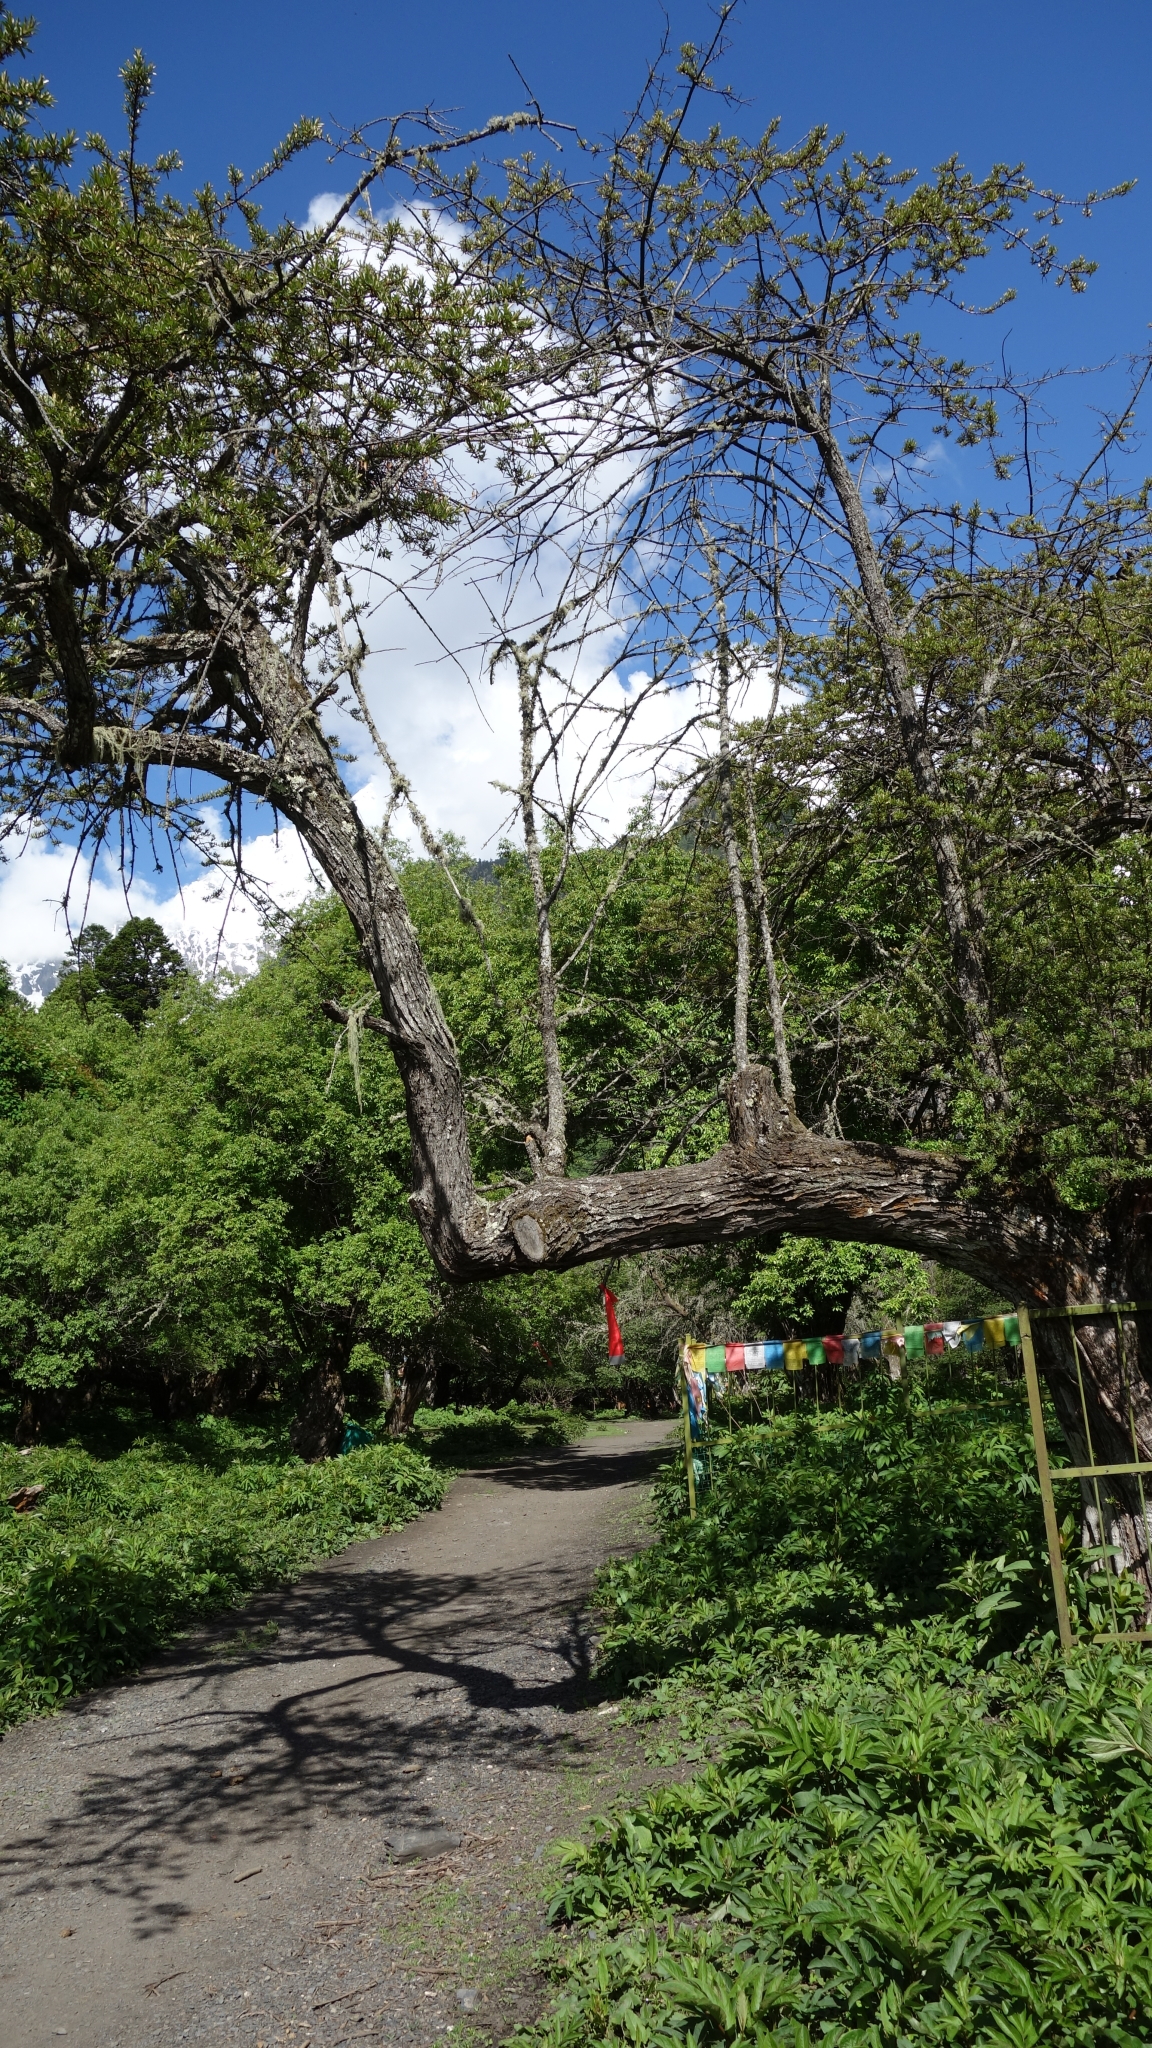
(474, 1436)
(839, 1522)
(918, 1825)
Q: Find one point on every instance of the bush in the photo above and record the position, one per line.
(917, 1824)
(453, 1437)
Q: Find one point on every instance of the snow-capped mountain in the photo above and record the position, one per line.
(35, 979)
(208, 957)
(220, 959)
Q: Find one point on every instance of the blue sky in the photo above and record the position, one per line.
(1064, 87)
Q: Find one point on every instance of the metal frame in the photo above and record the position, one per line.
(1093, 1471)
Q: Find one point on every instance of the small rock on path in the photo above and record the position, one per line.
(201, 1854)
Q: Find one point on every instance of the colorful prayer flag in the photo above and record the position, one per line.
(754, 1359)
(814, 1348)
(851, 1352)
(734, 1357)
(715, 1358)
(952, 1333)
(697, 1387)
(795, 1354)
(774, 1355)
(913, 1340)
(893, 1342)
(994, 1330)
(933, 1339)
(972, 1337)
(695, 1356)
(833, 1350)
(871, 1344)
(1011, 1329)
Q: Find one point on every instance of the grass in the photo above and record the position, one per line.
(913, 1822)
(143, 1530)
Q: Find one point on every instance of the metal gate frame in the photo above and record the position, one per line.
(1094, 1471)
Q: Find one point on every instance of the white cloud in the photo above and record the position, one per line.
(213, 924)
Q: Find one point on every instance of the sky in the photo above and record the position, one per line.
(1065, 87)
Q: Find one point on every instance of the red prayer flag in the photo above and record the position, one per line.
(615, 1340)
(833, 1349)
(733, 1358)
(933, 1338)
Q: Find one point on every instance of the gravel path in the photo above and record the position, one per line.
(215, 1850)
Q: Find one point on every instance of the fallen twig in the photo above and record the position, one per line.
(152, 1989)
(341, 1995)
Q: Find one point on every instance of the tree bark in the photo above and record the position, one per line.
(1105, 1411)
(318, 1430)
(724, 777)
(415, 1388)
(552, 1156)
(775, 999)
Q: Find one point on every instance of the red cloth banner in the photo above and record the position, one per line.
(615, 1340)
(833, 1349)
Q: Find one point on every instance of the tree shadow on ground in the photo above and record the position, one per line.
(376, 1668)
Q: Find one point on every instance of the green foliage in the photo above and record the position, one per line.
(453, 1437)
(211, 1197)
(841, 1522)
(894, 1866)
(21, 1069)
(917, 1824)
(123, 1550)
(192, 1200)
(1036, 694)
(132, 970)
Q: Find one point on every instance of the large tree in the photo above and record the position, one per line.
(202, 419)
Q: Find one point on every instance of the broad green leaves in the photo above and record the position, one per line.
(908, 1834)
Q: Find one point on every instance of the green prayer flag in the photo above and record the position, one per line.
(1011, 1329)
(815, 1349)
(913, 1340)
(714, 1358)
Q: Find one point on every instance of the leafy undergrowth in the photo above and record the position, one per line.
(917, 1824)
(124, 1548)
(455, 1437)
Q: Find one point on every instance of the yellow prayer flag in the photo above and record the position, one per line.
(994, 1330)
(795, 1354)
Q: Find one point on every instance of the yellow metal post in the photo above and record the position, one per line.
(1051, 1525)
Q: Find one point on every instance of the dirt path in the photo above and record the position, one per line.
(214, 1835)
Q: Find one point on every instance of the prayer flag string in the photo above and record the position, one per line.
(703, 1362)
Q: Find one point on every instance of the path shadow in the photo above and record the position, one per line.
(376, 1669)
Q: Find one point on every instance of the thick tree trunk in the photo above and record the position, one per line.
(42, 1409)
(1098, 1371)
(318, 1430)
(415, 1388)
(775, 998)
